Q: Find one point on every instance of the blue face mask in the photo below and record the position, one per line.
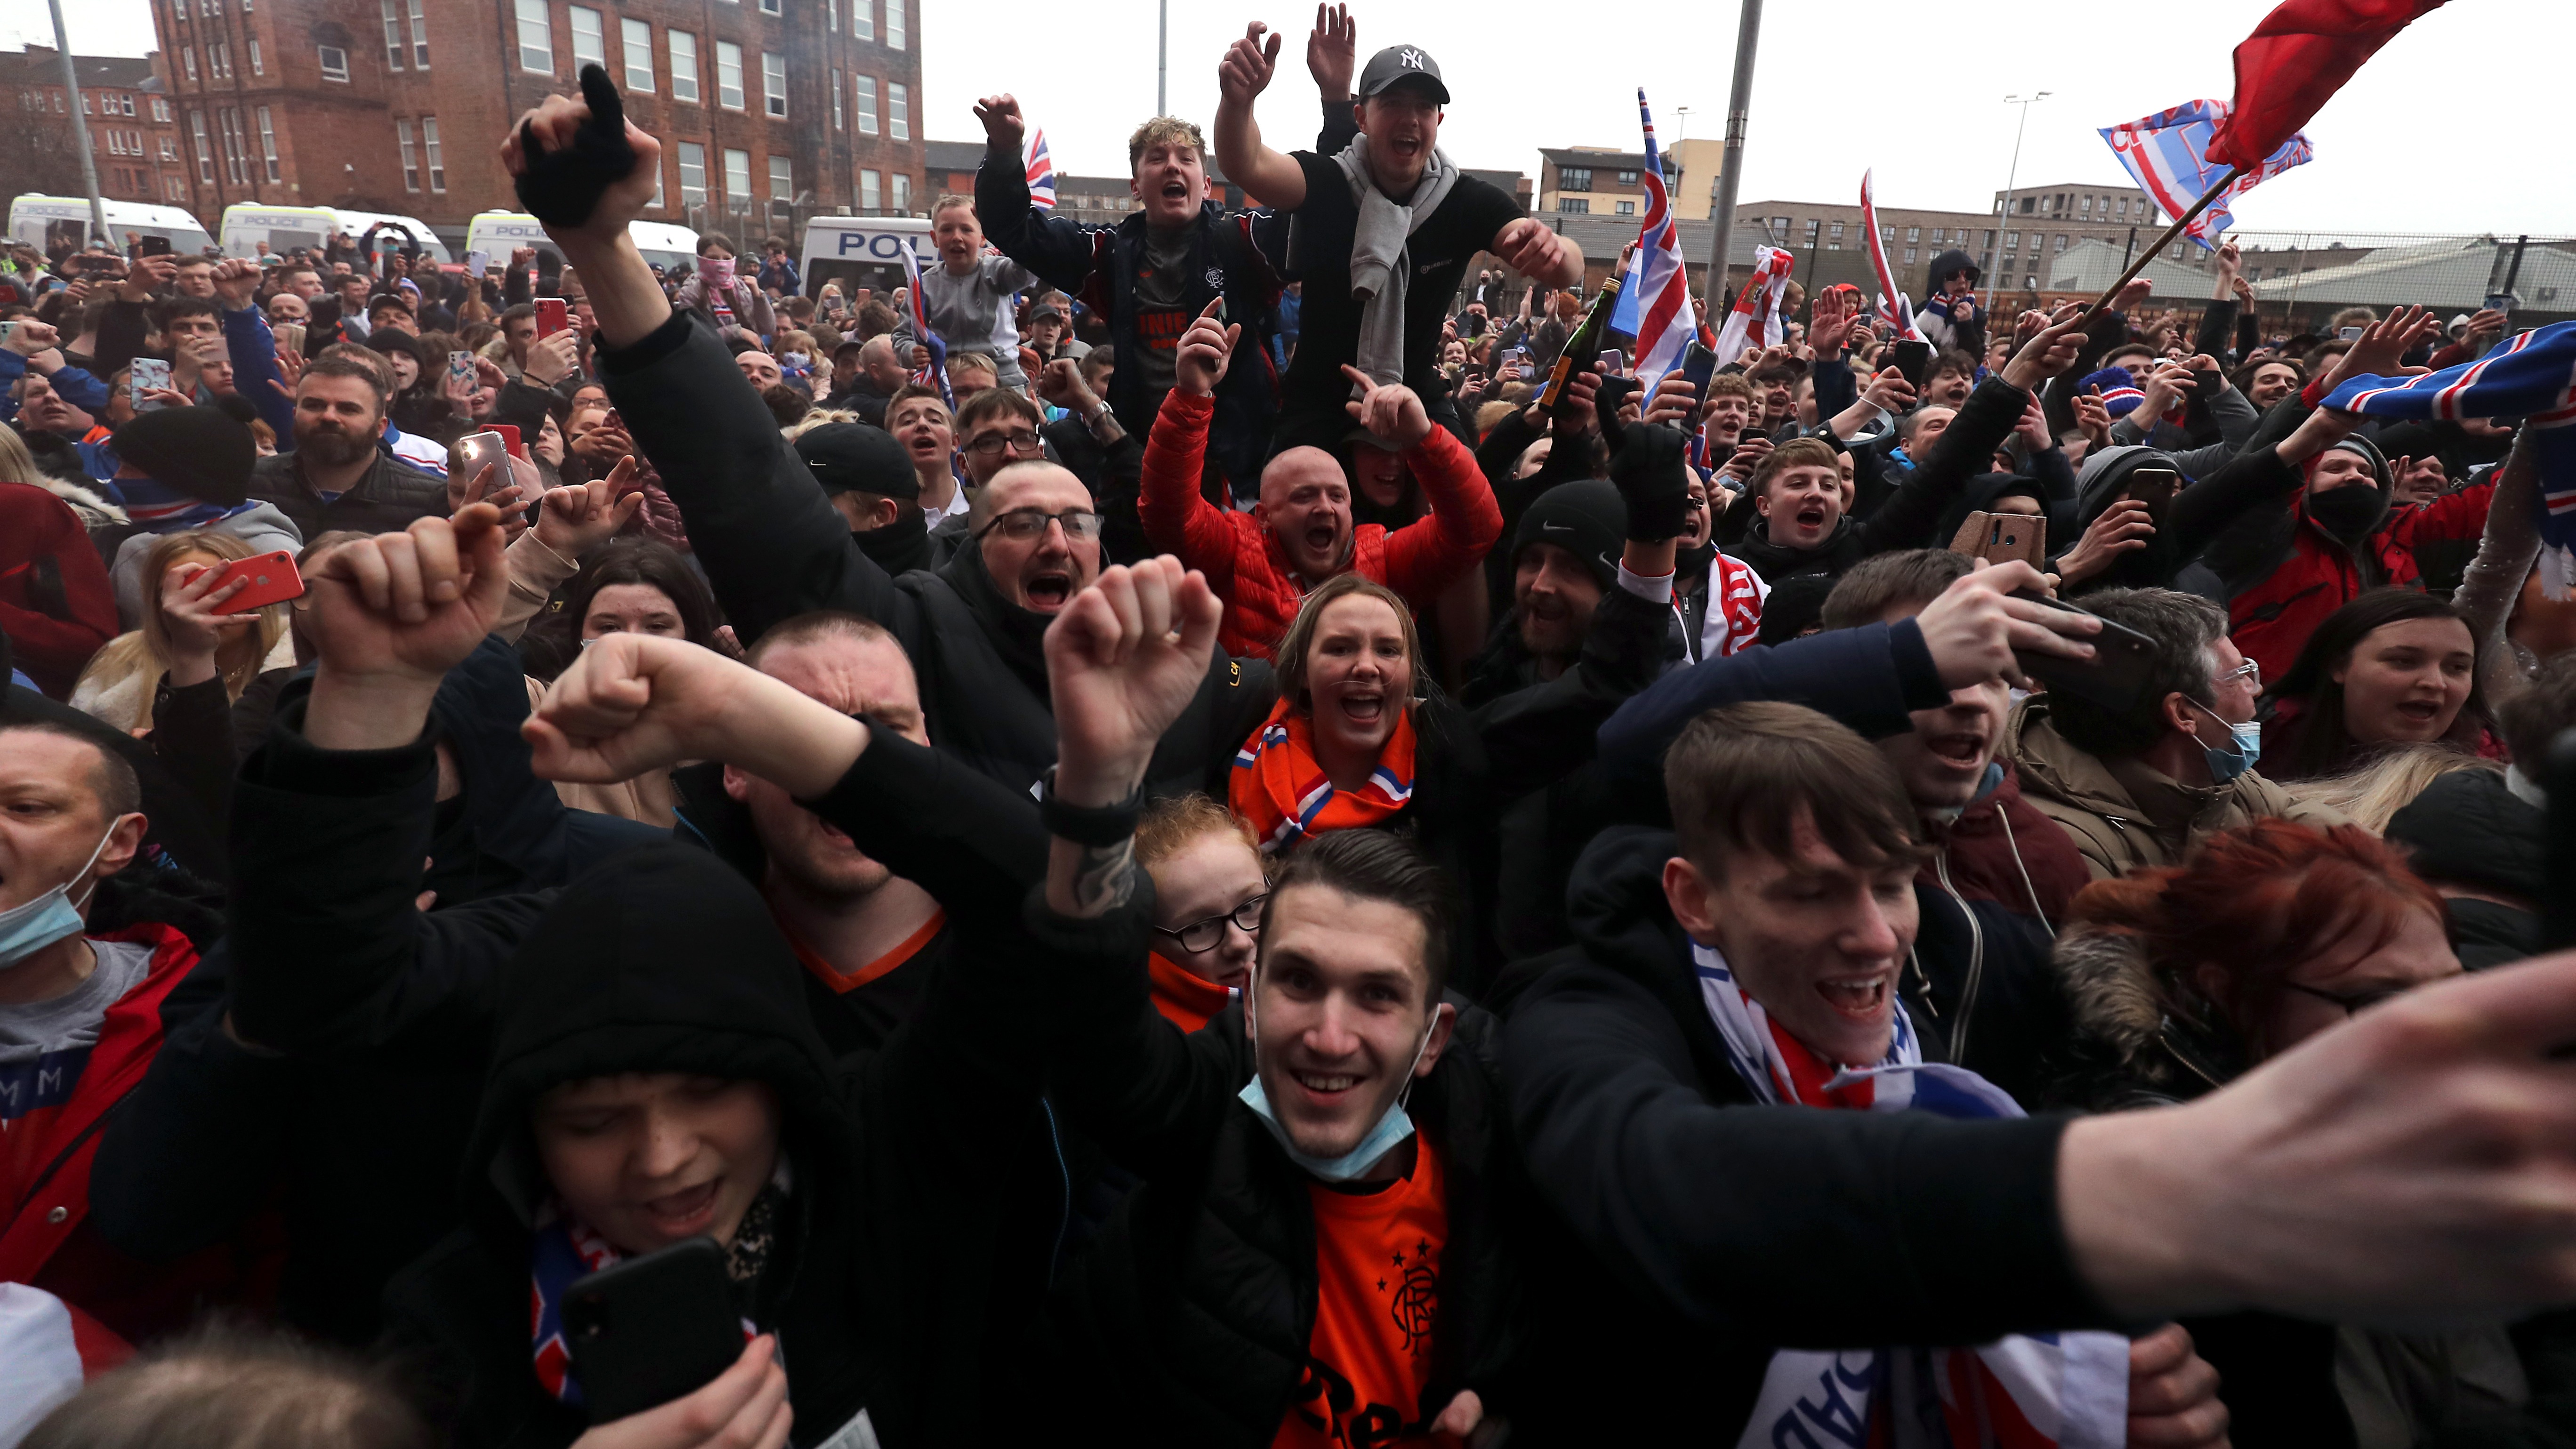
(2227, 764)
(30, 927)
(1393, 1126)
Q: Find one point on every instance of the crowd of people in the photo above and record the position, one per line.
(1205, 837)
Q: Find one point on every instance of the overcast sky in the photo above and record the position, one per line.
(1838, 88)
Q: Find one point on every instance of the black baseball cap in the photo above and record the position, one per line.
(846, 457)
(1400, 63)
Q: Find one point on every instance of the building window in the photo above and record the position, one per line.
(658, 203)
(1815, 228)
(178, 189)
(2061, 241)
(1574, 178)
(894, 41)
(902, 180)
(334, 60)
(419, 36)
(219, 54)
(1990, 239)
(737, 178)
(832, 17)
(2012, 240)
(536, 38)
(898, 111)
(268, 146)
(1627, 208)
(393, 35)
(769, 7)
(639, 55)
(1627, 178)
(870, 195)
(729, 75)
(431, 153)
(693, 174)
(1909, 256)
(410, 162)
(863, 19)
(589, 39)
(1836, 233)
(684, 66)
(257, 66)
(236, 156)
(782, 179)
(773, 83)
(2031, 282)
(1574, 205)
(186, 53)
(1912, 234)
(867, 104)
(161, 109)
(205, 152)
(836, 98)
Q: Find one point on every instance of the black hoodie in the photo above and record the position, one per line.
(1687, 1231)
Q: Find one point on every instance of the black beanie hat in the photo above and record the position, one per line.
(200, 451)
(1795, 605)
(846, 457)
(1587, 519)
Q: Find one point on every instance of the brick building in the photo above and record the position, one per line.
(133, 135)
(1604, 181)
(768, 111)
(2046, 220)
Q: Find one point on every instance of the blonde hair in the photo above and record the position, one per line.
(1164, 131)
(2385, 783)
(289, 335)
(17, 465)
(136, 662)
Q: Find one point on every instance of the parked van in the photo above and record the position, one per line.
(863, 251)
(284, 228)
(39, 221)
(496, 234)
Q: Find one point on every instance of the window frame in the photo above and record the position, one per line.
(773, 84)
(863, 99)
(685, 147)
(898, 111)
(627, 25)
(741, 98)
(671, 39)
(539, 14)
(321, 57)
(403, 144)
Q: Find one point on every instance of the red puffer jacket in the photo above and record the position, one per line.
(2271, 617)
(1250, 570)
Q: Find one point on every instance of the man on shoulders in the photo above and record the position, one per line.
(1382, 233)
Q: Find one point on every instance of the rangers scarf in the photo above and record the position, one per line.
(2043, 1391)
(564, 1253)
(1281, 791)
(2531, 377)
(1754, 320)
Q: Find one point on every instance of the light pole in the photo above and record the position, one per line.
(2012, 176)
(1162, 52)
(80, 126)
(1739, 99)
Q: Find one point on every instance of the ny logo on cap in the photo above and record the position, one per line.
(1409, 59)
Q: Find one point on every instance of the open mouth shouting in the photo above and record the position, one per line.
(1321, 537)
(2423, 712)
(1863, 998)
(1048, 589)
(1364, 707)
(689, 1211)
(1964, 753)
(1810, 517)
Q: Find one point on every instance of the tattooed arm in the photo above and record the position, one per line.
(1123, 660)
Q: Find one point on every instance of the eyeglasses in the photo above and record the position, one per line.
(1028, 523)
(1200, 937)
(1020, 440)
(2249, 671)
(2350, 1002)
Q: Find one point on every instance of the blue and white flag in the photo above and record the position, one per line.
(2531, 376)
(1654, 303)
(2168, 155)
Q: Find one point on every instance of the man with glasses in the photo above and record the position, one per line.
(2142, 786)
(773, 547)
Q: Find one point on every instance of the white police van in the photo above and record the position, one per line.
(496, 234)
(38, 221)
(863, 251)
(246, 224)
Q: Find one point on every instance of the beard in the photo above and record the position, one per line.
(332, 446)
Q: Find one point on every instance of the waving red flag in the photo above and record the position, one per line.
(2301, 54)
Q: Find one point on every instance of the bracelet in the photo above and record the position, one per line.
(1095, 826)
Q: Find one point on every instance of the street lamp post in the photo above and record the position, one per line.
(1162, 52)
(80, 126)
(2012, 177)
(1739, 99)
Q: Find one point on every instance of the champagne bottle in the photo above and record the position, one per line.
(1583, 347)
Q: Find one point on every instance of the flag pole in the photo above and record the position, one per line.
(2159, 244)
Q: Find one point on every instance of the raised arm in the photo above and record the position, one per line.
(1267, 176)
(1428, 554)
(1177, 517)
(1056, 248)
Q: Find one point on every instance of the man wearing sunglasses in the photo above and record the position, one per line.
(2145, 785)
(773, 547)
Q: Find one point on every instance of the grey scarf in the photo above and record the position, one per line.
(1379, 265)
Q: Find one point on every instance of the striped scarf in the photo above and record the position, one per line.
(160, 508)
(1283, 794)
(2036, 1392)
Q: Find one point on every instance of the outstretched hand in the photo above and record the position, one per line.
(2051, 351)
(1332, 51)
(1004, 129)
(1124, 658)
(745, 1407)
(1246, 70)
(2382, 343)
(575, 519)
(567, 164)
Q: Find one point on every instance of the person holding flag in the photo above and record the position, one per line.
(929, 352)
(1654, 302)
(1162, 264)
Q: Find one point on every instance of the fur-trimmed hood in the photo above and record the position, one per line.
(92, 505)
(2130, 1046)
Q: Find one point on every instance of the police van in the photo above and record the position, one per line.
(39, 221)
(863, 251)
(496, 234)
(246, 224)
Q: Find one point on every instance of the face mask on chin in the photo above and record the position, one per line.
(1393, 1125)
(31, 926)
(2244, 749)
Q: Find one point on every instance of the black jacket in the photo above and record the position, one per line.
(773, 548)
(384, 500)
(1686, 1231)
(1199, 1296)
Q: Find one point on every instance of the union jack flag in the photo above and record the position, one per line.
(2531, 377)
(1654, 301)
(2168, 155)
(1041, 170)
(936, 374)
(1894, 308)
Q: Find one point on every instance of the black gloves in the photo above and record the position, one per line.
(560, 188)
(1645, 466)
